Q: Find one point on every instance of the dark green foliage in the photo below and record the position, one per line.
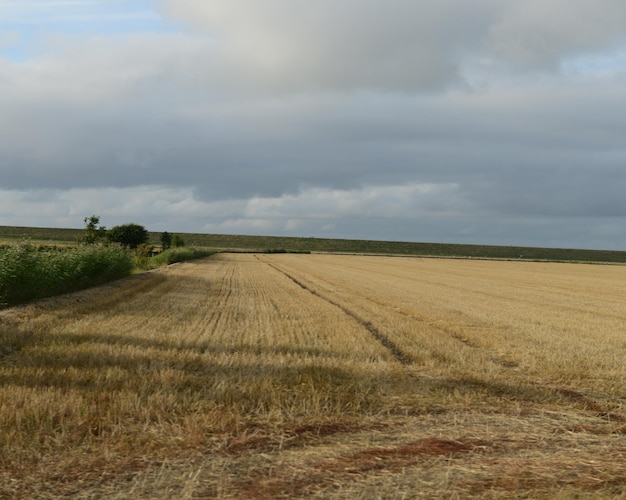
(166, 240)
(94, 232)
(128, 235)
(179, 254)
(27, 272)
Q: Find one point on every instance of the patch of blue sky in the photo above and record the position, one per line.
(24, 22)
(595, 64)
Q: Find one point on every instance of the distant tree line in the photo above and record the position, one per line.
(127, 235)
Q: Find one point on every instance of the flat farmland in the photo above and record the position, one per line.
(304, 376)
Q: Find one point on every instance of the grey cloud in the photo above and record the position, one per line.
(542, 34)
(397, 44)
(507, 147)
(256, 132)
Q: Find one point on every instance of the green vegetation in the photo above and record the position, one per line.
(12, 234)
(28, 272)
(128, 235)
(180, 254)
(171, 256)
(70, 261)
(224, 242)
(166, 240)
(94, 232)
(178, 241)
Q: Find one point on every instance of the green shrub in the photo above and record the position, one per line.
(180, 254)
(28, 272)
(171, 256)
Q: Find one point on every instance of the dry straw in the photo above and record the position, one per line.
(320, 376)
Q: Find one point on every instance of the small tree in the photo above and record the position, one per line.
(94, 232)
(128, 235)
(166, 240)
(177, 241)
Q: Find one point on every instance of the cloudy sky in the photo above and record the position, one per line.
(468, 121)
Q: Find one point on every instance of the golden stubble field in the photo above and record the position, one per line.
(300, 376)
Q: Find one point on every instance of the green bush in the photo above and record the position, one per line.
(180, 254)
(28, 272)
(171, 256)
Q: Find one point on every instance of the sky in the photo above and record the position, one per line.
(457, 121)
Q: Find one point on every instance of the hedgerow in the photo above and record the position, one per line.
(28, 272)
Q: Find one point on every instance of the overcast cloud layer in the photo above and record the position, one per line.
(469, 121)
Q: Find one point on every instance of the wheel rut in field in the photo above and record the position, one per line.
(578, 398)
(380, 337)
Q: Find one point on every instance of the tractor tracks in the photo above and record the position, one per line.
(575, 397)
(380, 337)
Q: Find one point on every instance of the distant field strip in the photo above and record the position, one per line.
(329, 376)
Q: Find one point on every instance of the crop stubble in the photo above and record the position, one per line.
(320, 375)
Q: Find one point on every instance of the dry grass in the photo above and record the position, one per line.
(289, 376)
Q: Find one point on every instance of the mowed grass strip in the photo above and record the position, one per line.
(227, 378)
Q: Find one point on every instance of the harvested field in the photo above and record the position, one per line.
(286, 376)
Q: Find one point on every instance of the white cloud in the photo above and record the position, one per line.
(101, 69)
